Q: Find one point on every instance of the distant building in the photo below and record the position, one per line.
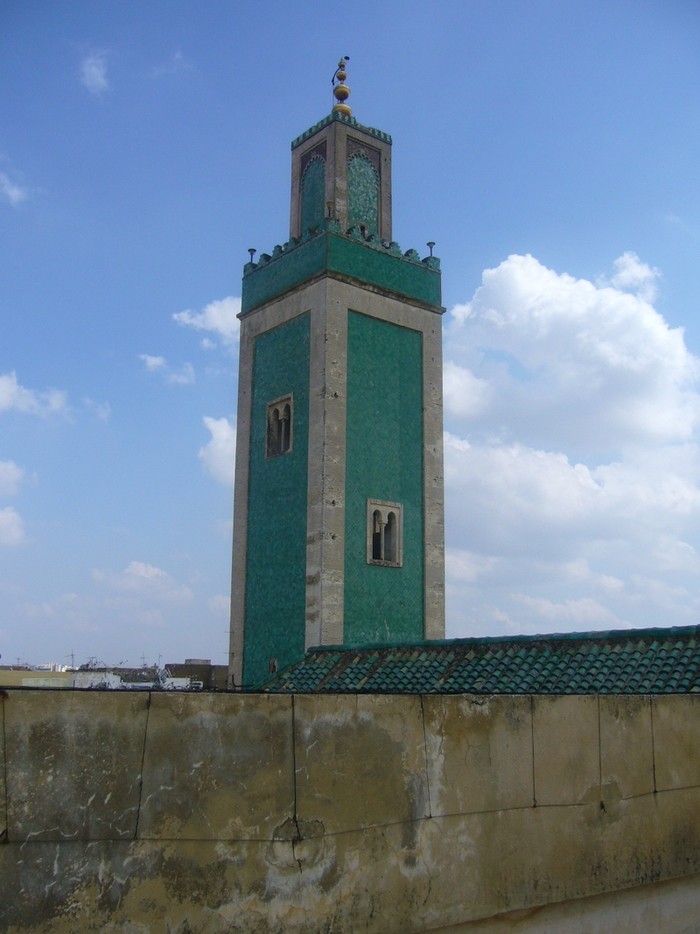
(201, 673)
(192, 675)
(12, 676)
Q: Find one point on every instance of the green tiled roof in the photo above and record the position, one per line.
(631, 661)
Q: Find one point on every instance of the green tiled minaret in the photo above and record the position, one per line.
(338, 508)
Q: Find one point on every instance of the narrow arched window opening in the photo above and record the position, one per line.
(285, 428)
(377, 528)
(384, 533)
(279, 431)
(390, 538)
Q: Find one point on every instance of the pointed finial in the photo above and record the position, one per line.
(341, 92)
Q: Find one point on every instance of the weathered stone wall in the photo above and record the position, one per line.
(261, 813)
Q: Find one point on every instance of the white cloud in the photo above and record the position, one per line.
(631, 274)
(218, 318)
(467, 566)
(506, 488)
(465, 395)
(14, 397)
(11, 527)
(572, 464)
(182, 376)
(584, 613)
(10, 478)
(569, 364)
(219, 453)
(144, 580)
(93, 72)
(13, 193)
(153, 364)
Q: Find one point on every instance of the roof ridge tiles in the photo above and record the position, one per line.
(678, 633)
(615, 661)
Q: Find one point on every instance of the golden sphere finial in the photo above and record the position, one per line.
(341, 92)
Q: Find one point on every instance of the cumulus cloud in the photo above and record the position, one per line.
(11, 527)
(10, 191)
(569, 363)
(219, 453)
(465, 394)
(218, 318)
(15, 397)
(176, 376)
(93, 72)
(572, 464)
(631, 274)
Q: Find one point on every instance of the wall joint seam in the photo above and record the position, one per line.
(425, 752)
(5, 834)
(653, 743)
(600, 750)
(670, 791)
(532, 741)
(294, 759)
(143, 763)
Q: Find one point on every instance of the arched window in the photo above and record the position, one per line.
(363, 194)
(384, 533)
(279, 427)
(313, 186)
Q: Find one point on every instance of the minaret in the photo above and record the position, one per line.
(338, 504)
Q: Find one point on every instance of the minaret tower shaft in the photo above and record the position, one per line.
(338, 504)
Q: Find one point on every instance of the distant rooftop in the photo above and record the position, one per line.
(628, 661)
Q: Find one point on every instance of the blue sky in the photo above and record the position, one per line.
(549, 148)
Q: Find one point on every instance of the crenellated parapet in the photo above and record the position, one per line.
(354, 253)
(340, 118)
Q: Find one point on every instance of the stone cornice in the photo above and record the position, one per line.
(340, 118)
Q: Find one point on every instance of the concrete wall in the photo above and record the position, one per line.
(256, 813)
